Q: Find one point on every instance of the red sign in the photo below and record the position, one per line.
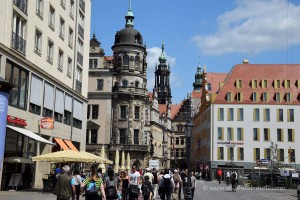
(16, 121)
(47, 123)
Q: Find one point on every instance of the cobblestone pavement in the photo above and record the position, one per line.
(205, 190)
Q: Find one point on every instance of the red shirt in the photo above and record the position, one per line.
(220, 172)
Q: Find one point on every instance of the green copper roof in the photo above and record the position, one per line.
(129, 16)
(198, 69)
(162, 57)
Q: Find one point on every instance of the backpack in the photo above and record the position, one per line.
(233, 175)
(146, 190)
(155, 178)
(167, 185)
(92, 188)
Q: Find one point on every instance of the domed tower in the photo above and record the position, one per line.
(198, 79)
(162, 79)
(129, 95)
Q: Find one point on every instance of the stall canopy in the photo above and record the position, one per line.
(29, 134)
(64, 156)
(98, 159)
(61, 144)
(71, 145)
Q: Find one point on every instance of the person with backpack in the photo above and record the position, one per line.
(234, 181)
(166, 185)
(147, 189)
(94, 187)
(134, 181)
(111, 185)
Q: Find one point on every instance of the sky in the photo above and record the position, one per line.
(216, 33)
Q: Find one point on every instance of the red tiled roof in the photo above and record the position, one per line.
(270, 72)
(162, 108)
(108, 58)
(175, 109)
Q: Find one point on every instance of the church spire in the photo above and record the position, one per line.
(162, 57)
(129, 16)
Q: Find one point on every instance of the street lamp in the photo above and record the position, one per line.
(189, 126)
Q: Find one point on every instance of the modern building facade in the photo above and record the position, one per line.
(255, 105)
(44, 49)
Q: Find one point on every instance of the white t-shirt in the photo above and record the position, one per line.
(133, 178)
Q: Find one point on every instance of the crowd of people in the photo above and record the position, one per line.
(126, 185)
(231, 177)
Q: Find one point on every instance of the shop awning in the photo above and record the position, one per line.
(29, 134)
(71, 145)
(61, 143)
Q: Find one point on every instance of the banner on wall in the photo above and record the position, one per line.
(47, 123)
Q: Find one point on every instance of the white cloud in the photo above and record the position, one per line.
(252, 27)
(152, 60)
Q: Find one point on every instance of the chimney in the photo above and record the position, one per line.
(245, 61)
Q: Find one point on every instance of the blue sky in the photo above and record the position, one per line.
(215, 33)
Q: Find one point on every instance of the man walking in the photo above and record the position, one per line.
(63, 187)
(219, 175)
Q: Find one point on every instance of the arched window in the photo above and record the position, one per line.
(124, 83)
(125, 59)
(136, 84)
(137, 61)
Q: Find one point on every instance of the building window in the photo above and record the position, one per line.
(36, 95)
(94, 136)
(279, 115)
(255, 97)
(124, 83)
(229, 96)
(52, 18)
(72, 8)
(287, 84)
(122, 136)
(70, 41)
(93, 63)
(60, 60)
(39, 8)
(266, 134)
(136, 84)
(281, 155)
(77, 123)
(291, 136)
(38, 42)
(62, 28)
(229, 133)
(266, 115)
(290, 115)
(292, 157)
(220, 153)
(254, 83)
(78, 79)
(279, 135)
(220, 114)
(182, 141)
(239, 83)
(265, 97)
(230, 114)
(256, 134)
(277, 97)
(123, 113)
(256, 114)
(99, 84)
(264, 84)
(63, 4)
(240, 153)
(95, 111)
(220, 133)
(240, 114)
(230, 153)
(256, 154)
(125, 60)
(18, 33)
(136, 112)
(69, 69)
(239, 96)
(67, 117)
(177, 141)
(209, 86)
(277, 84)
(19, 77)
(288, 97)
(88, 113)
(240, 134)
(136, 136)
(50, 52)
(22, 4)
(48, 100)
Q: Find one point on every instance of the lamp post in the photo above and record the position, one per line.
(188, 134)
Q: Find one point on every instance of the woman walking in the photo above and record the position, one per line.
(76, 181)
(124, 185)
(94, 187)
(111, 185)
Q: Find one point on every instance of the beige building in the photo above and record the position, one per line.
(44, 46)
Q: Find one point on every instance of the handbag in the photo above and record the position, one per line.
(133, 191)
(111, 192)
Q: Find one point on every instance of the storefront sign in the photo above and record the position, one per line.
(47, 123)
(230, 143)
(154, 164)
(16, 121)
